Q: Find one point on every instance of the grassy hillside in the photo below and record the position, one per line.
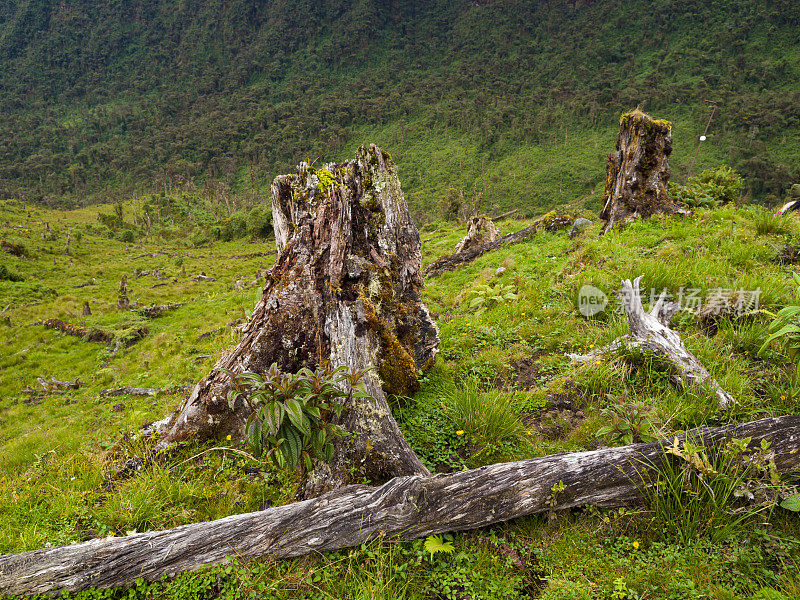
(502, 379)
(513, 102)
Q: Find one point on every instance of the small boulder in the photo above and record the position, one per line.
(578, 226)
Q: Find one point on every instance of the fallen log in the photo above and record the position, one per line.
(453, 261)
(409, 506)
(129, 391)
(550, 222)
(155, 311)
(650, 334)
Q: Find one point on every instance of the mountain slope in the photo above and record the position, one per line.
(495, 98)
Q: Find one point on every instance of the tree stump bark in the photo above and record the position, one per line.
(480, 231)
(345, 290)
(638, 172)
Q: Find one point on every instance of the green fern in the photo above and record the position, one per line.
(436, 543)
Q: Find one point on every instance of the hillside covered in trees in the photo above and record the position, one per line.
(510, 103)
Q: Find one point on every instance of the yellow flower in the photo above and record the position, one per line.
(783, 397)
(111, 534)
(599, 362)
(591, 345)
(635, 545)
(228, 437)
(460, 432)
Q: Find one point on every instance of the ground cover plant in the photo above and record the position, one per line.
(71, 467)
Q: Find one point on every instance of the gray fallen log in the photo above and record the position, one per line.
(650, 333)
(410, 506)
(131, 391)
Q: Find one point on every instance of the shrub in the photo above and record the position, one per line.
(290, 421)
(7, 275)
(128, 236)
(709, 189)
(259, 222)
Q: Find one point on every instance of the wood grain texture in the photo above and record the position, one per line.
(651, 335)
(410, 506)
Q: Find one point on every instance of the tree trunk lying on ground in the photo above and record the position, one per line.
(409, 506)
(651, 335)
(551, 221)
(345, 290)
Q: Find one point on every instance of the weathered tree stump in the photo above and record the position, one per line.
(638, 172)
(480, 231)
(122, 295)
(345, 290)
(411, 507)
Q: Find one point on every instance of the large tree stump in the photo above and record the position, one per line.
(638, 172)
(411, 507)
(345, 290)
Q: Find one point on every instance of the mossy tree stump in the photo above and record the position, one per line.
(480, 231)
(345, 290)
(638, 172)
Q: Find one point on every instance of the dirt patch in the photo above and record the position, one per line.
(528, 371)
(563, 414)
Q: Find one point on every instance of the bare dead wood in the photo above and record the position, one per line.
(90, 335)
(158, 310)
(650, 334)
(130, 391)
(453, 261)
(344, 291)
(551, 221)
(51, 385)
(409, 506)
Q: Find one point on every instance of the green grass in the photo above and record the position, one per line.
(502, 378)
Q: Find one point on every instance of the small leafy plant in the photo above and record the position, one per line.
(486, 296)
(628, 423)
(437, 543)
(292, 411)
(786, 326)
(710, 189)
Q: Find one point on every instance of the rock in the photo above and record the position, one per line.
(578, 226)
(794, 191)
(480, 231)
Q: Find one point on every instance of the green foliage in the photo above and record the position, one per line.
(7, 274)
(485, 296)
(170, 103)
(628, 423)
(437, 543)
(792, 503)
(710, 189)
(290, 420)
(785, 326)
(488, 420)
(712, 492)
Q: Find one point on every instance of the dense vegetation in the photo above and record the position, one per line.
(511, 103)
(502, 389)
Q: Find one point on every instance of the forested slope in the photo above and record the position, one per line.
(514, 102)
